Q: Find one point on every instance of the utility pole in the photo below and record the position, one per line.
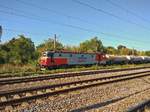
(0, 33)
(55, 42)
(133, 51)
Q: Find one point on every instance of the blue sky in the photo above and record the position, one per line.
(70, 20)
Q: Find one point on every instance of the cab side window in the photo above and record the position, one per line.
(60, 55)
(50, 55)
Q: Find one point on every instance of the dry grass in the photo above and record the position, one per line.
(29, 69)
(9, 68)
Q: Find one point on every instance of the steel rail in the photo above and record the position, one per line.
(63, 75)
(21, 90)
(140, 107)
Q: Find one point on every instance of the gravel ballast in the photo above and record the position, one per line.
(104, 98)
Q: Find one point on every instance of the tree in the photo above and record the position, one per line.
(3, 55)
(123, 50)
(72, 48)
(147, 53)
(19, 50)
(92, 45)
(121, 47)
(111, 50)
(49, 45)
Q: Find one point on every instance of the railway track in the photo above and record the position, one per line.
(141, 107)
(62, 75)
(17, 96)
(17, 74)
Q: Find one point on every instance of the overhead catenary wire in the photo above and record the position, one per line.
(33, 16)
(110, 14)
(27, 32)
(52, 11)
(62, 24)
(69, 25)
(66, 25)
(128, 11)
(137, 43)
(37, 34)
(46, 21)
(79, 19)
(66, 15)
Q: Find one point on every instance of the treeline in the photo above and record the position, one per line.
(21, 50)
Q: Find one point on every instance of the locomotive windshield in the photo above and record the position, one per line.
(50, 54)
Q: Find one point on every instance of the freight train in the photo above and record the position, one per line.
(57, 59)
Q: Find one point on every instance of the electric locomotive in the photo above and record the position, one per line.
(55, 59)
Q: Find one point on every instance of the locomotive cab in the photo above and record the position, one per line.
(46, 59)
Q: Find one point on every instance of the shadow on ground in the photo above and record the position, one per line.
(102, 104)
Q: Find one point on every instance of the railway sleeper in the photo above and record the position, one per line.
(22, 94)
(24, 104)
(85, 83)
(9, 97)
(33, 92)
(77, 84)
(48, 90)
(3, 98)
(147, 108)
(39, 92)
(39, 101)
(59, 88)
(53, 89)
(8, 108)
(28, 94)
(64, 87)
(16, 96)
(44, 90)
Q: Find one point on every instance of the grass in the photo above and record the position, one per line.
(23, 70)
(14, 69)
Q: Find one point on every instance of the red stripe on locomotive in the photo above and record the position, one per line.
(52, 62)
(100, 57)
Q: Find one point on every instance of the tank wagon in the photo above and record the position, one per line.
(112, 59)
(54, 59)
(136, 59)
(146, 59)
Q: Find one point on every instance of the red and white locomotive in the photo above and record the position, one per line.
(53, 59)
